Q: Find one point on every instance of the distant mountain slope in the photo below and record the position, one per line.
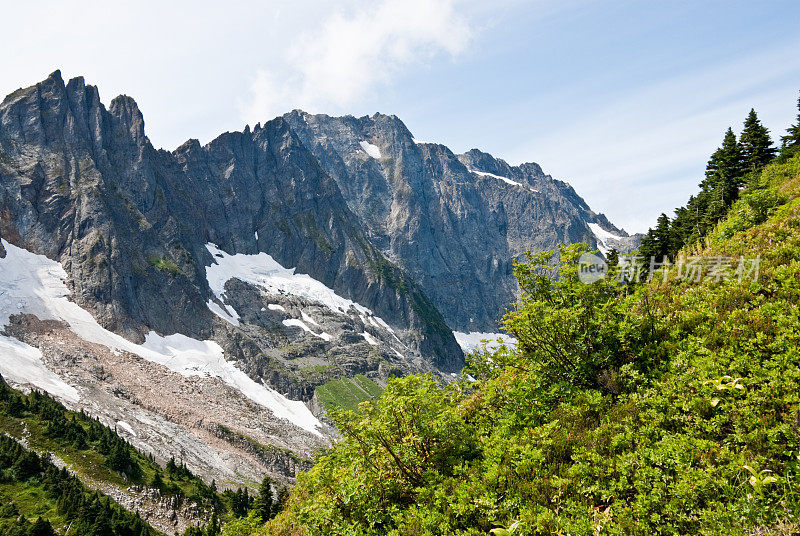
(454, 222)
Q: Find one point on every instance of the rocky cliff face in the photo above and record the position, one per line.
(302, 251)
(300, 296)
(454, 222)
(84, 186)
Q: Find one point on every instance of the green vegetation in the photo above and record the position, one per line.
(35, 494)
(347, 393)
(661, 407)
(732, 166)
(165, 264)
(32, 486)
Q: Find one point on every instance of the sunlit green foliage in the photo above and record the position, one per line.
(668, 408)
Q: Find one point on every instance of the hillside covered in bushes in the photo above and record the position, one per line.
(666, 404)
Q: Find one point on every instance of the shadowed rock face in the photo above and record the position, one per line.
(82, 184)
(454, 222)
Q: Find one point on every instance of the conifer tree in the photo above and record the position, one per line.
(213, 528)
(724, 173)
(658, 241)
(283, 499)
(792, 137)
(264, 504)
(157, 482)
(756, 145)
(41, 527)
(612, 258)
(171, 467)
(663, 236)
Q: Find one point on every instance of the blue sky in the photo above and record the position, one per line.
(624, 100)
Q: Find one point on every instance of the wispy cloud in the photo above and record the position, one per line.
(655, 140)
(356, 54)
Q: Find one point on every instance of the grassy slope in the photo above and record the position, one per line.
(347, 393)
(672, 453)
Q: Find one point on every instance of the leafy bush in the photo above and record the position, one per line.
(666, 408)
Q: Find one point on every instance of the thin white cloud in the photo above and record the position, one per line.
(655, 140)
(354, 55)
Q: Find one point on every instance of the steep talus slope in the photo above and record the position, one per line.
(454, 222)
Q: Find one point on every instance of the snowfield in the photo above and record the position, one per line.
(293, 322)
(222, 312)
(372, 150)
(31, 283)
(603, 237)
(265, 272)
(22, 364)
(370, 339)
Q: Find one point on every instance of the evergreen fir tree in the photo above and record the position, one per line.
(792, 137)
(663, 236)
(724, 173)
(264, 504)
(612, 258)
(171, 467)
(41, 527)
(157, 482)
(213, 528)
(283, 499)
(756, 145)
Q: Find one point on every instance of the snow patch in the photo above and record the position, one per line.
(372, 150)
(379, 323)
(504, 179)
(22, 364)
(222, 312)
(127, 427)
(471, 341)
(603, 238)
(276, 307)
(265, 272)
(34, 284)
(307, 318)
(370, 339)
(293, 322)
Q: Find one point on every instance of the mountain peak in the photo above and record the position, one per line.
(127, 112)
(54, 77)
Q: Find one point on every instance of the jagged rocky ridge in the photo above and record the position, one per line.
(454, 222)
(420, 239)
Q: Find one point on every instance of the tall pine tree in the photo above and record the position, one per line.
(724, 174)
(264, 505)
(658, 241)
(792, 137)
(757, 149)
